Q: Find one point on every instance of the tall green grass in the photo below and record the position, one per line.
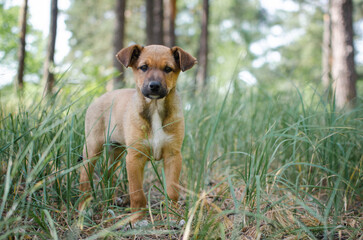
(256, 163)
(279, 150)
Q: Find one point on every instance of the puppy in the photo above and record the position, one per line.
(148, 121)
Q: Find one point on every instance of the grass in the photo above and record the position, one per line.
(257, 164)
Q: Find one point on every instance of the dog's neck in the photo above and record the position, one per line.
(147, 106)
(156, 106)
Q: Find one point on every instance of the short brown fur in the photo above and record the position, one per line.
(142, 120)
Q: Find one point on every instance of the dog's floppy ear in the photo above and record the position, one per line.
(184, 59)
(127, 56)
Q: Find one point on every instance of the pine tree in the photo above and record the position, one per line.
(343, 66)
(48, 76)
(21, 51)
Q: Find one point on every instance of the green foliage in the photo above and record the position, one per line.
(232, 31)
(250, 161)
(35, 55)
(92, 27)
(233, 28)
(301, 59)
(8, 33)
(35, 44)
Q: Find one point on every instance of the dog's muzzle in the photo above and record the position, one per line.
(154, 90)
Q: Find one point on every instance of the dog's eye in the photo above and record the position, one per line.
(168, 69)
(144, 68)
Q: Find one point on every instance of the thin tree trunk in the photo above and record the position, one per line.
(203, 50)
(149, 21)
(21, 51)
(343, 66)
(154, 21)
(158, 22)
(169, 22)
(48, 76)
(118, 43)
(326, 58)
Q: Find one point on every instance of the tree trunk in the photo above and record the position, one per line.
(203, 50)
(149, 20)
(118, 44)
(48, 76)
(169, 22)
(343, 67)
(154, 22)
(326, 58)
(21, 51)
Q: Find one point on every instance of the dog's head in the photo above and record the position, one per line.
(156, 68)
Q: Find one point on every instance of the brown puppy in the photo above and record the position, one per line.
(148, 120)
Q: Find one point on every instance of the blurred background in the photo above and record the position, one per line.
(255, 42)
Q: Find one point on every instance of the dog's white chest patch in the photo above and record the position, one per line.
(158, 137)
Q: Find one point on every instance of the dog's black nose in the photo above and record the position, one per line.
(154, 86)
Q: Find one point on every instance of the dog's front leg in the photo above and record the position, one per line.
(172, 166)
(135, 163)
